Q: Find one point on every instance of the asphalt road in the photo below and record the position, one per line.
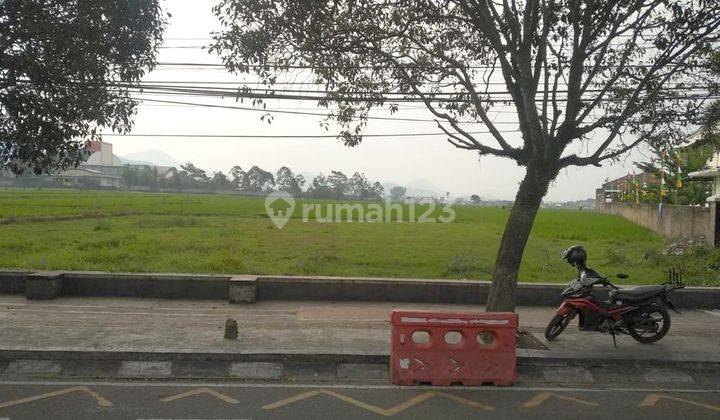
(198, 400)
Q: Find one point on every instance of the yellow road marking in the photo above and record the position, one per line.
(290, 400)
(544, 396)
(652, 399)
(387, 412)
(201, 391)
(99, 399)
(382, 411)
(465, 401)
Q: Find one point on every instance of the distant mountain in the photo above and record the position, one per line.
(423, 188)
(417, 188)
(150, 157)
(423, 184)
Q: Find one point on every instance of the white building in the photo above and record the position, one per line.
(102, 168)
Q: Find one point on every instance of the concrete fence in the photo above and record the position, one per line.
(672, 222)
(249, 288)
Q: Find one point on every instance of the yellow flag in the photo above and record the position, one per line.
(662, 185)
(662, 174)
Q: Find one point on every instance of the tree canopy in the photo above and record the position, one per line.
(585, 80)
(65, 69)
(673, 167)
(289, 182)
(397, 192)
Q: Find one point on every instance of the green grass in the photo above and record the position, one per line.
(113, 231)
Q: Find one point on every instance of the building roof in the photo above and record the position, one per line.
(165, 170)
(84, 172)
(96, 159)
(644, 176)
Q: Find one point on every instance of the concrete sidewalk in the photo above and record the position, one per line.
(352, 331)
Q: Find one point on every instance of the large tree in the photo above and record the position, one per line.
(319, 187)
(397, 193)
(286, 181)
(65, 69)
(361, 189)
(339, 183)
(259, 180)
(193, 173)
(239, 178)
(586, 81)
(221, 182)
(711, 123)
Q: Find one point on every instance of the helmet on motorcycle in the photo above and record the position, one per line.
(575, 256)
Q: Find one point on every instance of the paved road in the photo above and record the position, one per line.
(198, 400)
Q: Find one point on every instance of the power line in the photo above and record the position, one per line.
(240, 90)
(204, 46)
(271, 92)
(183, 47)
(175, 91)
(382, 67)
(162, 91)
(210, 82)
(298, 108)
(268, 111)
(360, 99)
(292, 136)
(188, 38)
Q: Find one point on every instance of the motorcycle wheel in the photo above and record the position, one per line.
(556, 326)
(651, 325)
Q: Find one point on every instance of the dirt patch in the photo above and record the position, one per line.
(525, 340)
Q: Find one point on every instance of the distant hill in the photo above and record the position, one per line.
(417, 188)
(150, 157)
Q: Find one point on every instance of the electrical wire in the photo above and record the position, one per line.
(383, 67)
(292, 136)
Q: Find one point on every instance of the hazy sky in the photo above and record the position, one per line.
(398, 160)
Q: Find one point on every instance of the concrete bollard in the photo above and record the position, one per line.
(43, 285)
(242, 289)
(231, 329)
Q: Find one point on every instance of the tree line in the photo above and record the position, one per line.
(335, 185)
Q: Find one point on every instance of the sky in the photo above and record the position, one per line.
(398, 160)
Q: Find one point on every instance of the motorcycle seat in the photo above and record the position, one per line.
(637, 293)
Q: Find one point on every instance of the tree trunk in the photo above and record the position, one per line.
(517, 231)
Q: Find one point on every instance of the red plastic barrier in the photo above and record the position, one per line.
(449, 348)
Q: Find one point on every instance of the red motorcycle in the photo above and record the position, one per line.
(640, 312)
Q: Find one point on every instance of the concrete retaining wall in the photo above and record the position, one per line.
(13, 282)
(163, 286)
(189, 286)
(370, 289)
(676, 221)
(438, 291)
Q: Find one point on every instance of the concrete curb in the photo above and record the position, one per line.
(248, 288)
(172, 356)
(569, 371)
(523, 357)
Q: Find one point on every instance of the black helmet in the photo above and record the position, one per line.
(575, 256)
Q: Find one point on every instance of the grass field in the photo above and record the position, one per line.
(114, 231)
